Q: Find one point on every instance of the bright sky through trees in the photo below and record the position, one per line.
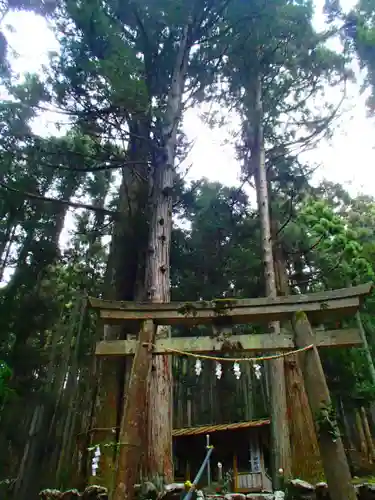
(348, 158)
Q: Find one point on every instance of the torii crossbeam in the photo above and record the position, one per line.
(318, 306)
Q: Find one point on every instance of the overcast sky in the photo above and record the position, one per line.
(349, 158)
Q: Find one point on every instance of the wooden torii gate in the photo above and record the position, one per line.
(299, 309)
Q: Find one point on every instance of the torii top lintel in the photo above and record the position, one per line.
(318, 306)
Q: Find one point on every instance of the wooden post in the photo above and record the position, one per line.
(335, 463)
(133, 422)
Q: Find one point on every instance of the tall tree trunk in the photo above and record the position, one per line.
(157, 286)
(306, 461)
(348, 431)
(366, 347)
(71, 390)
(361, 433)
(26, 485)
(125, 270)
(160, 460)
(279, 419)
(31, 470)
(367, 431)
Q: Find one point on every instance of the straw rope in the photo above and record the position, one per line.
(237, 360)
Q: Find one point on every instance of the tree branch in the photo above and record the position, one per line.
(290, 217)
(68, 203)
(306, 250)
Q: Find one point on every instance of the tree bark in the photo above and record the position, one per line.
(348, 431)
(332, 451)
(157, 400)
(123, 281)
(28, 466)
(366, 428)
(306, 461)
(366, 347)
(361, 433)
(279, 419)
(71, 395)
(160, 460)
(134, 416)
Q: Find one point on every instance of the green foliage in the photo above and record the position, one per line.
(339, 252)
(359, 37)
(5, 375)
(326, 421)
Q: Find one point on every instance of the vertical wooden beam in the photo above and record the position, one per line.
(133, 422)
(335, 463)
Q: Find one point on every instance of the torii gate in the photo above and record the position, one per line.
(300, 309)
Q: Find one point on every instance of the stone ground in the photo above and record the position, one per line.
(299, 490)
(90, 493)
